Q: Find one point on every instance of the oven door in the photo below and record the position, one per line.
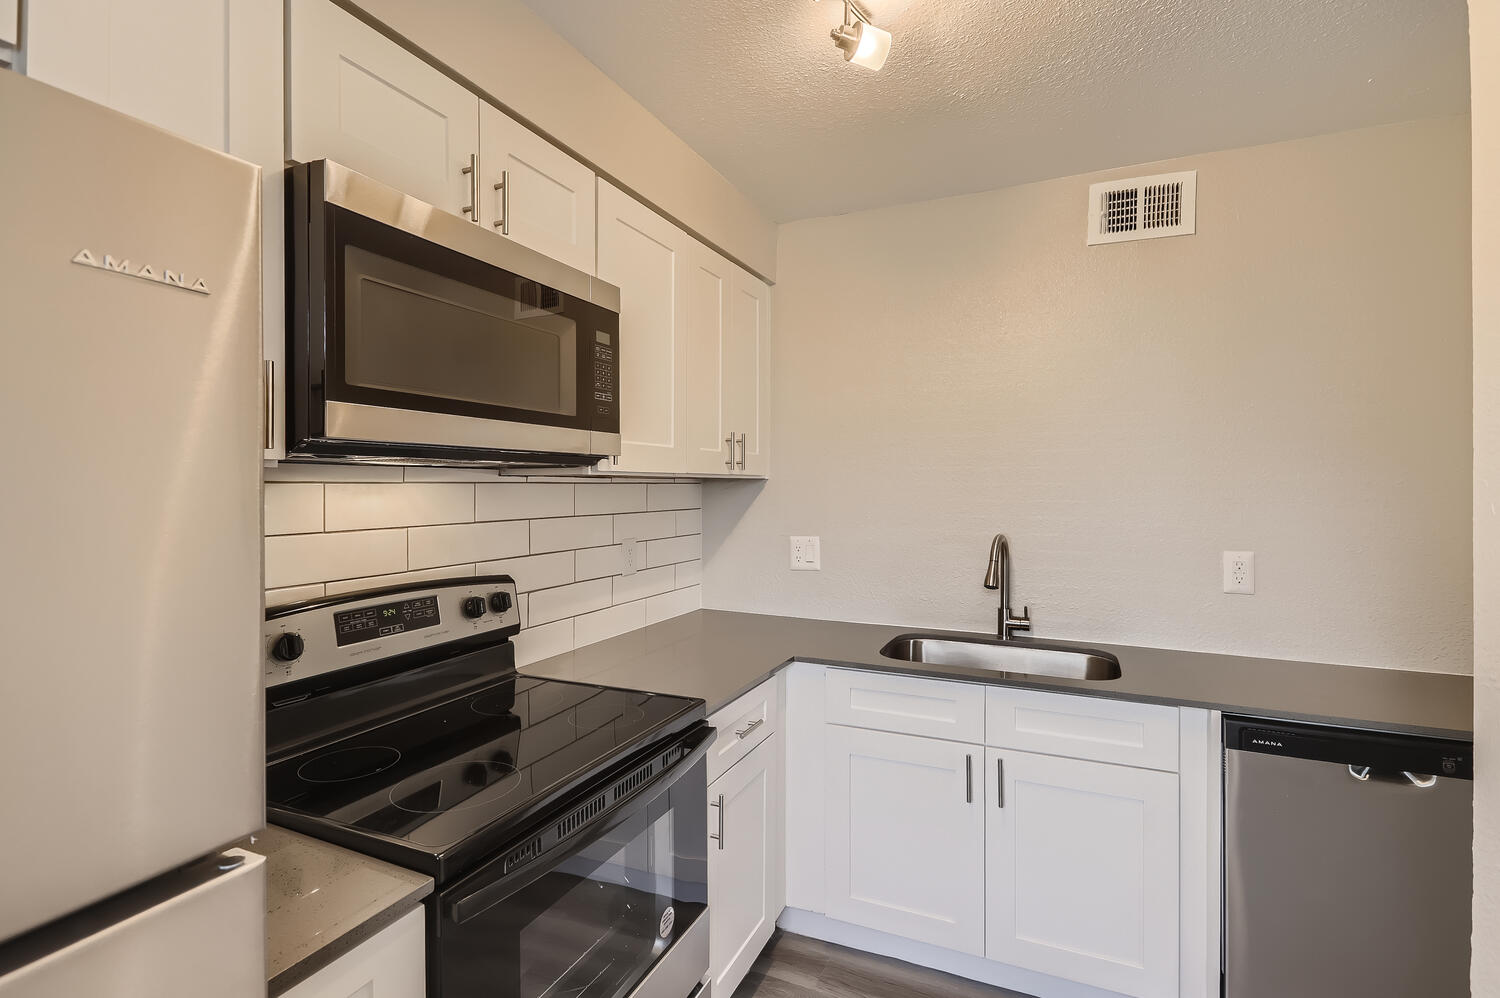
(618, 906)
(418, 334)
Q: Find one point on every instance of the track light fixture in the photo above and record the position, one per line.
(862, 43)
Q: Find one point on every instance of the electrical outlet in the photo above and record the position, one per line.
(630, 555)
(1239, 572)
(806, 555)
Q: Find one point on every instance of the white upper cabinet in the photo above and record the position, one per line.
(10, 22)
(533, 192)
(360, 99)
(728, 319)
(647, 258)
(163, 61)
(747, 364)
(905, 836)
(710, 281)
(1082, 871)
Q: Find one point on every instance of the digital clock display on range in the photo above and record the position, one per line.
(370, 622)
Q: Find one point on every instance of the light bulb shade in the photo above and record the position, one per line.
(871, 46)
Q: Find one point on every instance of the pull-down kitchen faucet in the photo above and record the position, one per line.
(998, 577)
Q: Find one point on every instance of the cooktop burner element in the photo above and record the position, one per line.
(342, 765)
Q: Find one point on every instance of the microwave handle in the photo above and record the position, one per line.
(483, 898)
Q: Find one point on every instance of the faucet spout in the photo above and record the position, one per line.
(997, 576)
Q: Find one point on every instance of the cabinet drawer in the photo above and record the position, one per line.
(1129, 734)
(907, 705)
(742, 725)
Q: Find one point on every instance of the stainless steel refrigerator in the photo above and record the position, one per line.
(131, 720)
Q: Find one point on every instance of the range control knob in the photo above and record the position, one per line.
(288, 647)
(500, 602)
(474, 607)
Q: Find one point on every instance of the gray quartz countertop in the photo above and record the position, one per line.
(322, 901)
(717, 655)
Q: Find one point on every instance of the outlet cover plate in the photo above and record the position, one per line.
(807, 555)
(1239, 572)
(630, 555)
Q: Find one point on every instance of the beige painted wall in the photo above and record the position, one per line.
(1484, 44)
(505, 49)
(1292, 380)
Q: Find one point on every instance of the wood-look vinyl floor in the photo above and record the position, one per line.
(798, 967)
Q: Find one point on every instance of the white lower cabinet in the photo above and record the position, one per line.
(905, 836)
(745, 879)
(1081, 871)
(390, 964)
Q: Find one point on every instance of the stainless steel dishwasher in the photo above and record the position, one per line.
(1347, 863)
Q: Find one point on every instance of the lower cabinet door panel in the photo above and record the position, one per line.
(390, 964)
(744, 864)
(1082, 871)
(905, 827)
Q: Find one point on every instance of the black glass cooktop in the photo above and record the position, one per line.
(462, 777)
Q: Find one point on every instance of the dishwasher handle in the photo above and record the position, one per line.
(1422, 781)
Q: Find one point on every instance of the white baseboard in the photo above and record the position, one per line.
(807, 923)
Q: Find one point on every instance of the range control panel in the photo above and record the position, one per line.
(310, 639)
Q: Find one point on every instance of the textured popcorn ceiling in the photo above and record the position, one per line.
(980, 94)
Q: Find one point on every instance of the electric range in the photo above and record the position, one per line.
(564, 823)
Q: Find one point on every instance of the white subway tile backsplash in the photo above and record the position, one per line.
(571, 533)
(296, 559)
(331, 473)
(294, 508)
(645, 526)
(594, 563)
(460, 542)
(293, 594)
(673, 550)
(592, 627)
(569, 601)
(673, 604)
(689, 573)
(612, 498)
(537, 571)
(400, 578)
(523, 501)
(333, 530)
(674, 496)
(535, 643)
(642, 584)
(368, 506)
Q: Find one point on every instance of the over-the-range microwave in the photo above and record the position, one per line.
(415, 336)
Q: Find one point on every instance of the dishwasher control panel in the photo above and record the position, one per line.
(1380, 751)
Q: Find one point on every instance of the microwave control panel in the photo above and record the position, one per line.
(606, 382)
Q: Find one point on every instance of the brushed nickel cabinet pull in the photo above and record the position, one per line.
(745, 731)
(472, 172)
(730, 441)
(1000, 782)
(504, 188)
(720, 837)
(742, 452)
(969, 779)
(270, 404)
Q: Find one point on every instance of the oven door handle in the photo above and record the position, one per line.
(481, 899)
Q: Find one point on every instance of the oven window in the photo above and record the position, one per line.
(412, 331)
(594, 923)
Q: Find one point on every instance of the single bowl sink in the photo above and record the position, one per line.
(1020, 657)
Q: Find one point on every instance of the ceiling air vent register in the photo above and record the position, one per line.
(1143, 208)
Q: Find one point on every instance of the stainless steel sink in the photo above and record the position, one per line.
(1020, 657)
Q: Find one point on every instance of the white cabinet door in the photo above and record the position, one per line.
(745, 879)
(533, 192)
(10, 23)
(647, 258)
(905, 848)
(390, 964)
(356, 97)
(163, 61)
(710, 280)
(747, 364)
(1082, 871)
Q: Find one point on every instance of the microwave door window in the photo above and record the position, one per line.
(416, 333)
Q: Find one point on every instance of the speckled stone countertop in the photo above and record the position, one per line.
(322, 901)
(718, 654)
